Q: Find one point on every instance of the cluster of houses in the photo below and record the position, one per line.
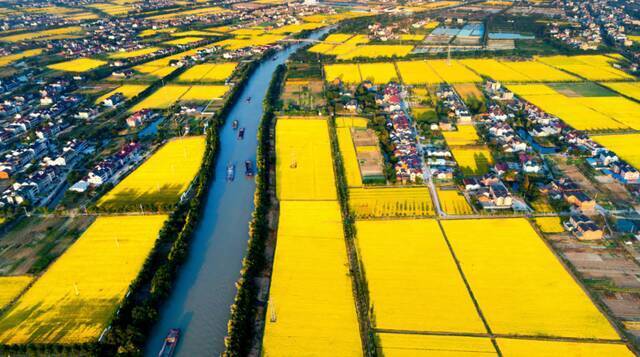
(39, 186)
(20, 159)
(409, 166)
(110, 168)
(583, 227)
(457, 111)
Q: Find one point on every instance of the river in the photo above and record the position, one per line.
(205, 286)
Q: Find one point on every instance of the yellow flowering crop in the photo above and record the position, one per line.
(183, 41)
(296, 28)
(78, 65)
(136, 53)
(412, 37)
(453, 72)
(454, 203)
(11, 287)
(582, 113)
(8, 59)
(391, 202)
(351, 122)
(304, 167)
(418, 72)
(412, 345)
(311, 310)
(591, 67)
(373, 51)
(347, 73)
(59, 33)
(163, 98)
(473, 160)
(162, 178)
(550, 224)
(204, 93)
(203, 11)
(74, 299)
(406, 292)
(350, 161)
(540, 72)
(520, 286)
(630, 89)
(379, 73)
(128, 90)
(517, 347)
(465, 135)
(625, 146)
(208, 72)
(336, 38)
(493, 69)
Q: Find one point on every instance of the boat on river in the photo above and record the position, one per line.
(170, 343)
(241, 134)
(248, 168)
(234, 124)
(231, 172)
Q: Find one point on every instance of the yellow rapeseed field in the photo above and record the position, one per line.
(407, 37)
(549, 224)
(162, 98)
(453, 202)
(162, 178)
(350, 161)
(336, 38)
(296, 28)
(250, 41)
(151, 32)
(304, 167)
(630, 89)
(11, 287)
(183, 41)
(8, 59)
(59, 33)
(407, 293)
(347, 73)
(465, 135)
(374, 51)
(78, 65)
(411, 345)
(625, 146)
(453, 72)
(473, 160)
(520, 286)
(391, 202)
(619, 109)
(379, 73)
(203, 11)
(540, 72)
(136, 53)
(582, 113)
(311, 310)
(73, 301)
(193, 33)
(204, 93)
(493, 69)
(208, 72)
(128, 90)
(351, 122)
(516, 347)
(591, 67)
(417, 72)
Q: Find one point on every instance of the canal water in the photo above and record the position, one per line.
(205, 287)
